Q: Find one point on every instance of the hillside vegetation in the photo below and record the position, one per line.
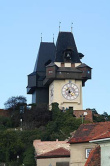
(18, 131)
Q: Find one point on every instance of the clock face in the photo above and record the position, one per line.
(70, 91)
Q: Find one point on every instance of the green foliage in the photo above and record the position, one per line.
(62, 124)
(29, 157)
(99, 118)
(5, 122)
(39, 123)
(14, 102)
(17, 143)
(37, 116)
(105, 114)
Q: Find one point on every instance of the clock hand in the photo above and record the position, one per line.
(72, 94)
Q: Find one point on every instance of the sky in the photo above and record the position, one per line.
(21, 25)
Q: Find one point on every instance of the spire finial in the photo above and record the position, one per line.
(41, 37)
(59, 26)
(53, 37)
(71, 27)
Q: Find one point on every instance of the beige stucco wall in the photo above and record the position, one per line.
(77, 64)
(66, 64)
(58, 64)
(105, 153)
(58, 97)
(78, 153)
(52, 161)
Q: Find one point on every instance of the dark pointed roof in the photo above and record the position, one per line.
(83, 65)
(51, 64)
(66, 41)
(45, 56)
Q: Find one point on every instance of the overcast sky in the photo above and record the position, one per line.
(21, 25)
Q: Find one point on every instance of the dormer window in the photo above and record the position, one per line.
(50, 71)
(67, 55)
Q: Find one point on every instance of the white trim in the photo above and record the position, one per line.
(99, 140)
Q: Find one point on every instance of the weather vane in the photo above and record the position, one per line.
(71, 27)
(59, 26)
(53, 37)
(41, 37)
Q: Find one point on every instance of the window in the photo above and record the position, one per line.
(62, 163)
(87, 153)
(71, 108)
(50, 71)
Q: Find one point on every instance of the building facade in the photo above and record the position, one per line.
(59, 74)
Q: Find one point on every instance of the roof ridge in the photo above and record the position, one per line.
(91, 131)
(98, 136)
(54, 150)
(95, 123)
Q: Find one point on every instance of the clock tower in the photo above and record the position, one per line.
(64, 75)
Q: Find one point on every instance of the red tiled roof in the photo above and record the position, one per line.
(94, 157)
(102, 136)
(5, 113)
(86, 132)
(60, 152)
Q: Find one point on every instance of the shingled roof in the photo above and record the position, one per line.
(56, 153)
(103, 135)
(94, 157)
(46, 54)
(88, 132)
(66, 41)
(83, 65)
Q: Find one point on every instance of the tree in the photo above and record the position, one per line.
(5, 122)
(29, 157)
(99, 118)
(61, 125)
(105, 114)
(37, 116)
(15, 102)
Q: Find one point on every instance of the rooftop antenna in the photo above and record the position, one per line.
(53, 37)
(41, 37)
(59, 26)
(71, 27)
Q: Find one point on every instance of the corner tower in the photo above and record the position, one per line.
(46, 55)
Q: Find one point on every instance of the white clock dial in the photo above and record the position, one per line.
(70, 91)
